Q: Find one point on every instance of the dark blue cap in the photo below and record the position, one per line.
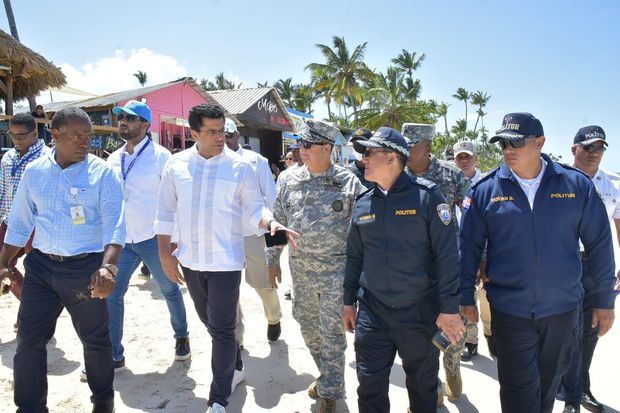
(518, 125)
(362, 133)
(590, 134)
(386, 138)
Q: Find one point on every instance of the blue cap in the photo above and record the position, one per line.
(133, 107)
(590, 134)
(386, 138)
(517, 126)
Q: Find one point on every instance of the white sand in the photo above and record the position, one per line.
(277, 374)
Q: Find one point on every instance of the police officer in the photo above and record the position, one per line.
(317, 200)
(357, 166)
(453, 185)
(588, 148)
(532, 212)
(402, 252)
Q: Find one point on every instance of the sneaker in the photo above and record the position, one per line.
(274, 331)
(182, 350)
(216, 408)
(238, 377)
(471, 350)
(119, 365)
(328, 405)
(454, 385)
(313, 393)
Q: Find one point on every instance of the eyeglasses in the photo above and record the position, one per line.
(369, 152)
(20, 136)
(516, 144)
(213, 132)
(128, 118)
(308, 144)
(591, 148)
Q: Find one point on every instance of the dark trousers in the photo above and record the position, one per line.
(532, 357)
(382, 331)
(50, 286)
(215, 296)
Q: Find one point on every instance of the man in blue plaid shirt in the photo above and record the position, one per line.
(23, 134)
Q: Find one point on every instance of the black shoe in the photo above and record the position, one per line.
(287, 295)
(570, 408)
(103, 408)
(491, 345)
(182, 350)
(119, 365)
(471, 350)
(590, 403)
(273, 332)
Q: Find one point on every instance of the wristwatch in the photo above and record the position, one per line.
(112, 269)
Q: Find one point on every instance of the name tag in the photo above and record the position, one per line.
(77, 215)
(570, 195)
(502, 199)
(405, 212)
(366, 219)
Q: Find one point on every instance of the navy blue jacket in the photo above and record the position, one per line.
(402, 247)
(533, 259)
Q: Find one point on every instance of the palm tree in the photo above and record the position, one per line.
(460, 128)
(442, 112)
(463, 95)
(305, 96)
(323, 85)
(220, 83)
(409, 62)
(346, 71)
(259, 84)
(141, 76)
(287, 90)
(412, 89)
(388, 104)
(480, 99)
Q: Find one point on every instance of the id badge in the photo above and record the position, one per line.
(77, 215)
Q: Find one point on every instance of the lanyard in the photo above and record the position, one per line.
(133, 161)
(24, 160)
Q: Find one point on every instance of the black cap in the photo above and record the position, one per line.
(362, 133)
(590, 134)
(386, 138)
(518, 125)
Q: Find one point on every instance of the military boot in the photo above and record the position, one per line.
(328, 405)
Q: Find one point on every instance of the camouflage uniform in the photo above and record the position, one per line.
(319, 207)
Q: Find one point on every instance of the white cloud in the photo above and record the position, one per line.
(115, 73)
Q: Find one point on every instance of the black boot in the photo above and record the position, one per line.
(471, 350)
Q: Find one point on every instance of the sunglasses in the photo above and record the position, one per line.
(516, 144)
(128, 118)
(591, 148)
(229, 135)
(288, 159)
(308, 144)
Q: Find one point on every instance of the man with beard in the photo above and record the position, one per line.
(140, 163)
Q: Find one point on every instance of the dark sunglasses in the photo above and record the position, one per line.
(591, 148)
(516, 144)
(229, 135)
(288, 159)
(308, 144)
(128, 118)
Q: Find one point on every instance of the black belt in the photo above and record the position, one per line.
(60, 258)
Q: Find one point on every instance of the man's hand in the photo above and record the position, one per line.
(275, 276)
(349, 317)
(290, 234)
(481, 276)
(470, 312)
(5, 271)
(101, 283)
(170, 265)
(452, 325)
(604, 319)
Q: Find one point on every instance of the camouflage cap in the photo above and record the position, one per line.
(417, 132)
(319, 132)
(467, 147)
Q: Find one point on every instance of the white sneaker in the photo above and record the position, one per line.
(238, 377)
(216, 408)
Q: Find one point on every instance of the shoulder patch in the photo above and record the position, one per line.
(444, 213)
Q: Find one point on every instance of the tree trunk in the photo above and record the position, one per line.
(11, 18)
(9, 96)
(329, 109)
(465, 131)
(445, 124)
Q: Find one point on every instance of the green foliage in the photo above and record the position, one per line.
(141, 76)
(219, 83)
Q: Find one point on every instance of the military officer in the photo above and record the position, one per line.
(317, 200)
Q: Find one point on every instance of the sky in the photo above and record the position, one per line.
(559, 60)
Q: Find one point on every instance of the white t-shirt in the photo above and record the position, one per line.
(530, 186)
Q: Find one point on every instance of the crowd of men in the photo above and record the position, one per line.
(399, 247)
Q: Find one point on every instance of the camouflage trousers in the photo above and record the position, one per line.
(317, 307)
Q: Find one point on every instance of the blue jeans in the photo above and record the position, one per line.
(130, 258)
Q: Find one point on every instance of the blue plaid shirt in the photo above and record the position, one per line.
(11, 172)
(44, 200)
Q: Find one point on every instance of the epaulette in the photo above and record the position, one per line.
(486, 177)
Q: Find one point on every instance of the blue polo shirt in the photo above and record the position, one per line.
(533, 258)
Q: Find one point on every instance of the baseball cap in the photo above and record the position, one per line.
(362, 133)
(464, 147)
(590, 134)
(319, 132)
(386, 138)
(518, 125)
(136, 108)
(229, 126)
(417, 132)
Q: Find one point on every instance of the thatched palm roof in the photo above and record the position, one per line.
(31, 72)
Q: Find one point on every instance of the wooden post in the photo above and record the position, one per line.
(9, 95)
